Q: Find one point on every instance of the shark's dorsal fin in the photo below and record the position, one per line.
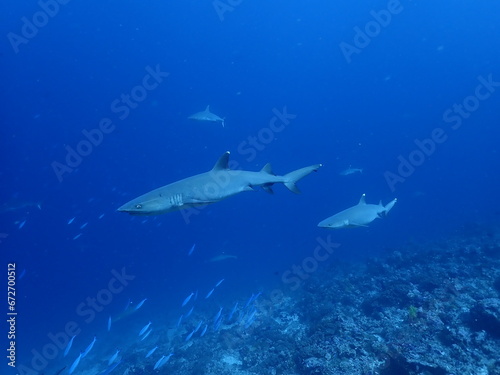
(268, 169)
(222, 163)
(207, 109)
(362, 200)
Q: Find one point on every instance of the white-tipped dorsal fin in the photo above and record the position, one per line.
(222, 163)
(268, 169)
(362, 200)
(207, 109)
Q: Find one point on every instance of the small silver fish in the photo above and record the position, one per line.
(151, 352)
(89, 348)
(204, 330)
(186, 300)
(209, 293)
(158, 363)
(198, 326)
(218, 315)
(146, 335)
(75, 363)
(163, 360)
(188, 337)
(139, 305)
(144, 329)
(233, 311)
(66, 351)
(113, 357)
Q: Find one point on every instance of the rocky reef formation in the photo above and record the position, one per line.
(431, 309)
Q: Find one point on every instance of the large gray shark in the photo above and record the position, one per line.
(210, 187)
(359, 215)
(206, 115)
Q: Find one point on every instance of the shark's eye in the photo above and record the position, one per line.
(138, 206)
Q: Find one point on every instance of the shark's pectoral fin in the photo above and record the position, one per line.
(348, 223)
(357, 225)
(268, 189)
(198, 202)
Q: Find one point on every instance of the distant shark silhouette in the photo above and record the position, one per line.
(222, 257)
(210, 187)
(15, 204)
(359, 215)
(206, 115)
(350, 170)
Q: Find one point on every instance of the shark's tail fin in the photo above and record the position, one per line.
(292, 177)
(389, 205)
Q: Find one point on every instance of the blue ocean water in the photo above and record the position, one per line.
(408, 91)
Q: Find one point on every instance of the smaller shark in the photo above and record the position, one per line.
(350, 170)
(206, 115)
(221, 257)
(15, 204)
(359, 215)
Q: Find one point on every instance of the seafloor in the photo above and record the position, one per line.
(423, 309)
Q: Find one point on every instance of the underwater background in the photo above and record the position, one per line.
(409, 91)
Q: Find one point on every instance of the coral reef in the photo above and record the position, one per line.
(428, 310)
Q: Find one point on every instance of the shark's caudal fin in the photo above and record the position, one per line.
(292, 177)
